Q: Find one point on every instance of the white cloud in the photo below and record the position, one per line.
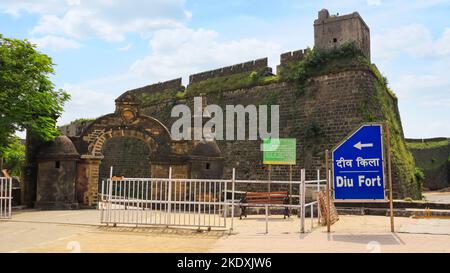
(415, 40)
(17, 7)
(86, 102)
(373, 2)
(442, 46)
(110, 20)
(427, 128)
(181, 51)
(437, 102)
(55, 43)
(410, 84)
(126, 47)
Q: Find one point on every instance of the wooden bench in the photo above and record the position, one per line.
(258, 199)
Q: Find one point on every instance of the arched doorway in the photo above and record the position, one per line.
(129, 157)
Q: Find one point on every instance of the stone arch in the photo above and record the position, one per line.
(97, 146)
(144, 128)
(131, 125)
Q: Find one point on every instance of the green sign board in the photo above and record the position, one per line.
(279, 151)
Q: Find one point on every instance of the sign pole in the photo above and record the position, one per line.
(391, 201)
(327, 167)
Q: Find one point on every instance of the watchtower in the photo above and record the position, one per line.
(334, 31)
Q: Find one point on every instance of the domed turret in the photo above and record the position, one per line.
(61, 148)
(206, 161)
(207, 149)
(57, 170)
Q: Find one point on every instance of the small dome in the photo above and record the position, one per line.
(61, 148)
(207, 149)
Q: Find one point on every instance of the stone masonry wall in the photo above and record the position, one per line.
(329, 109)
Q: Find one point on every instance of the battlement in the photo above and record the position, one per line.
(292, 56)
(230, 70)
(175, 84)
(330, 32)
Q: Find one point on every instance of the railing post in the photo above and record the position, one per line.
(10, 197)
(169, 198)
(225, 202)
(318, 203)
(232, 198)
(100, 203)
(110, 181)
(267, 219)
(302, 201)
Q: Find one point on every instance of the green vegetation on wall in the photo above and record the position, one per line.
(428, 144)
(168, 94)
(321, 62)
(382, 107)
(212, 86)
(79, 121)
(432, 156)
(82, 120)
(230, 82)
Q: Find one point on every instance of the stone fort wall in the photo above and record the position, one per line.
(433, 157)
(330, 108)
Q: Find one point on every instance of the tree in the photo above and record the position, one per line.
(14, 157)
(28, 99)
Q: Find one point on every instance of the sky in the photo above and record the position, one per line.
(102, 48)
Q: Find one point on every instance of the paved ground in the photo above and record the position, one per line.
(438, 197)
(78, 231)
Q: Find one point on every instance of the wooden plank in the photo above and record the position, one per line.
(322, 199)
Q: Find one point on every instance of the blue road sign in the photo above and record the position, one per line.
(358, 166)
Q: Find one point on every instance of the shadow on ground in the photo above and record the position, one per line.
(383, 239)
(155, 231)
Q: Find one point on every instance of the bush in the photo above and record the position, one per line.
(319, 62)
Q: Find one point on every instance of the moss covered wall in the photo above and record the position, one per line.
(433, 157)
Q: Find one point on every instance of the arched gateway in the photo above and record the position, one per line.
(127, 121)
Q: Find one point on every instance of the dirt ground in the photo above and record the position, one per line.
(80, 231)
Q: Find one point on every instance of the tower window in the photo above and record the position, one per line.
(57, 164)
(208, 166)
(334, 40)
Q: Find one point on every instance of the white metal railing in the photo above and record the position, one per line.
(189, 202)
(166, 202)
(5, 197)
